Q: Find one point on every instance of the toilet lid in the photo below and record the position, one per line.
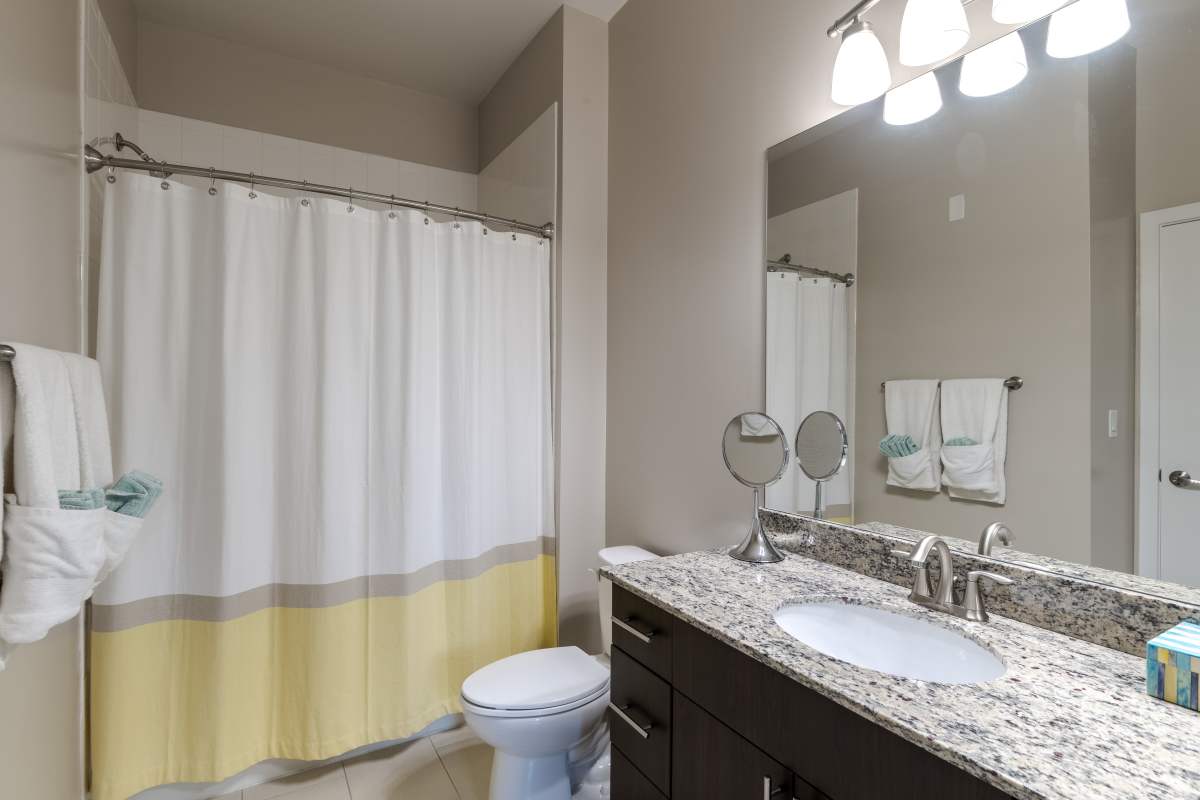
(536, 679)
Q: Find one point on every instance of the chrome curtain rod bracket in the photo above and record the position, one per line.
(94, 160)
(7, 353)
(1012, 384)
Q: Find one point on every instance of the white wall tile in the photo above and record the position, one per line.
(351, 169)
(160, 135)
(318, 163)
(281, 157)
(381, 175)
(201, 144)
(241, 150)
(413, 181)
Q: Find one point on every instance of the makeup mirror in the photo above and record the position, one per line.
(756, 454)
(821, 447)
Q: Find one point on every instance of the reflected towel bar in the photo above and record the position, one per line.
(1012, 384)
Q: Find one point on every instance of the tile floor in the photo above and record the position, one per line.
(453, 765)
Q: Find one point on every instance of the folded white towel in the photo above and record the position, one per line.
(60, 435)
(911, 408)
(975, 409)
(756, 425)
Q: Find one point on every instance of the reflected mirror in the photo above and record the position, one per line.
(1044, 228)
(821, 447)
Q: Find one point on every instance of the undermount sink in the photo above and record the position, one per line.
(895, 644)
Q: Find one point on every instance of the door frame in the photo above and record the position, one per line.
(1147, 542)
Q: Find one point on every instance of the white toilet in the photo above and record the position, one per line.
(535, 708)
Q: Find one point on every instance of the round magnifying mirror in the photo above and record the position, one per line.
(756, 454)
(821, 447)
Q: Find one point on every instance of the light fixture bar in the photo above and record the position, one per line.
(848, 19)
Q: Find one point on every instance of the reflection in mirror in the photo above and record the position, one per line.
(821, 447)
(756, 454)
(1022, 233)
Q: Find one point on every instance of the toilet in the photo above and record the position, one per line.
(543, 712)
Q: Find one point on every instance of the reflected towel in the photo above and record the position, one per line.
(898, 445)
(134, 494)
(81, 500)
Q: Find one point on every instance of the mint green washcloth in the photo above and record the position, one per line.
(960, 441)
(898, 445)
(82, 500)
(133, 494)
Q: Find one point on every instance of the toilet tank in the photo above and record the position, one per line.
(610, 557)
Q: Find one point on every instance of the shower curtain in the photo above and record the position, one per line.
(350, 410)
(808, 365)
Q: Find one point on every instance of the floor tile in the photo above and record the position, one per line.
(467, 759)
(230, 796)
(411, 771)
(323, 783)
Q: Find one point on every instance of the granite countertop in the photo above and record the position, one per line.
(1068, 720)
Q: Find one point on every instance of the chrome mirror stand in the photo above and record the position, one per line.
(756, 548)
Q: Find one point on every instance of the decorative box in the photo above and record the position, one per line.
(1173, 666)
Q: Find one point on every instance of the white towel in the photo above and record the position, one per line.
(976, 409)
(911, 408)
(60, 440)
(758, 425)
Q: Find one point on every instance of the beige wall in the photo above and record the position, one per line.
(120, 17)
(527, 88)
(699, 91)
(1003, 292)
(40, 730)
(202, 77)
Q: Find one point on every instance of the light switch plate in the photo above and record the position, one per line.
(958, 207)
(1112, 423)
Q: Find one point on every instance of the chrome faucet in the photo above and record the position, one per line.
(972, 605)
(997, 530)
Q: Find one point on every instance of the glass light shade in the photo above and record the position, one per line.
(1018, 12)
(994, 68)
(1086, 26)
(860, 72)
(914, 101)
(932, 30)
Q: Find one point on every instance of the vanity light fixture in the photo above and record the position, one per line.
(931, 30)
(1086, 26)
(860, 71)
(1018, 12)
(914, 101)
(994, 68)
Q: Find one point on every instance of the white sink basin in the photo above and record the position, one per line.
(892, 643)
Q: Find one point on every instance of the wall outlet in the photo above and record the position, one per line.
(1112, 423)
(958, 207)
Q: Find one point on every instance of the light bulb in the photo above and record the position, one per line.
(1086, 26)
(932, 30)
(994, 68)
(1018, 12)
(860, 72)
(914, 101)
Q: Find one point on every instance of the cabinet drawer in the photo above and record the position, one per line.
(643, 630)
(639, 718)
(628, 783)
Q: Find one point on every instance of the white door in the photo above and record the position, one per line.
(1169, 495)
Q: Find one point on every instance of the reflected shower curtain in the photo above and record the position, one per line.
(808, 361)
(351, 414)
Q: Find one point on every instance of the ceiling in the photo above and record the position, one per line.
(453, 48)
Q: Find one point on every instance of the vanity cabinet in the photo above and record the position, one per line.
(695, 718)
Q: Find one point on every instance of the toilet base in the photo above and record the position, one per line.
(522, 778)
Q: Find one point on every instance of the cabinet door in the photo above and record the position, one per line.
(710, 760)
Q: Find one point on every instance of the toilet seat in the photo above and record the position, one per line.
(536, 683)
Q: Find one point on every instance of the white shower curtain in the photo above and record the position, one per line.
(808, 363)
(350, 411)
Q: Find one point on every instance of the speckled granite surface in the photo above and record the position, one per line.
(1115, 616)
(1069, 720)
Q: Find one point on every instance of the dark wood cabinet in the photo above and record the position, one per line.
(722, 724)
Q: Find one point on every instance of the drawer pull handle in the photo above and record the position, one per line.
(627, 625)
(642, 729)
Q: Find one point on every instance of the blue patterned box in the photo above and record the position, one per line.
(1173, 666)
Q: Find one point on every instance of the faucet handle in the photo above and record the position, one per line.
(973, 600)
(921, 591)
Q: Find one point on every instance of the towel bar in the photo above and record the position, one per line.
(1012, 384)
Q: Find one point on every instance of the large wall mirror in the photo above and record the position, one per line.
(1050, 231)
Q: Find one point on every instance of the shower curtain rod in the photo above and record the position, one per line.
(95, 160)
(784, 264)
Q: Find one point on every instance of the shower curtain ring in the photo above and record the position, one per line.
(212, 182)
(512, 228)
(253, 194)
(457, 224)
(392, 206)
(350, 208)
(112, 175)
(304, 200)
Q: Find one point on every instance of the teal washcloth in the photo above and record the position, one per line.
(82, 500)
(133, 494)
(898, 445)
(960, 441)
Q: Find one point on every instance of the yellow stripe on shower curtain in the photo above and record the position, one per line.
(301, 683)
